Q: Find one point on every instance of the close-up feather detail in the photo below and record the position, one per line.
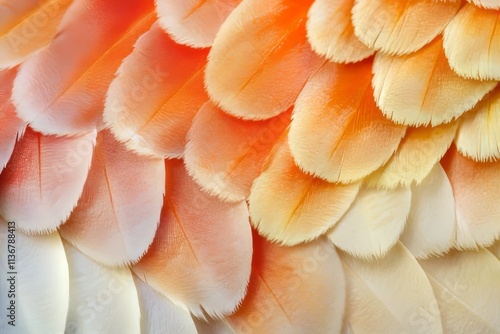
(261, 59)
(202, 251)
(336, 124)
(43, 287)
(116, 217)
(194, 22)
(12, 126)
(158, 89)
(472, 43)
(419, 150)
(249, 167)
(34, 190)
(26, 27)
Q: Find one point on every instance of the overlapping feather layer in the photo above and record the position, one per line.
(256, 166)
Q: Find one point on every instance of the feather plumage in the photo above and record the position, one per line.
(39, 285)
(373, 223)
(160, 315)
(421, 88)
(401, 27)
(292, 290)
(336, 42)
(431, 226)
(247, 75)
(225, 154)
(102, 299)
(194, 22)
(12, 126)
(478, 135)
(61, 89)
(26, 26)
(44, 179)
(289, 206)
(475, 185)
(201, 255)
(117, 215)
(467, 291)
(417, 154)
(157, 91)
(390, 295)
(337, 132)
(472, 43)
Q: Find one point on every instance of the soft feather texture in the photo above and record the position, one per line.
(26, 26)
(390, 295)
(225, 154)
(194, 22)
(41, 282)
(467, 291)
(293, 290)
(331, 33)
(289, 206)
(373, 223)
(337, 132)
(431, 226)
(61, 89)
(417, 154)
(421, 88)
(494, 4)
(247, 74)
(102, 299)
(478, 136)
(202, 252)
(475, 185)
(158, 89)
(401, 27)
(117, 215)
(11, 126)
(44, 179)
(160, 315)
(472, 43)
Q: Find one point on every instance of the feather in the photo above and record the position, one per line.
(61, 90)
(373, 223)
(291, 207)
(194, 22)
(35, 279)
(261, 59)
(212, 326)
(102, 299)
(472, 43)
(467, 291)
(26, 26)
(390, 295)
(475, 185)
(418, 153)
(431, 226)
(293, 290)
(337, 132)
(225, 154)
(493, 4)
(202, 252)
(12, 126)
(478, 136)
(158, 90)
(336, 42)
(117, 215)
(44, 179)
(160, 315)
(401, 27)
(495, 249)
(422, 89)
